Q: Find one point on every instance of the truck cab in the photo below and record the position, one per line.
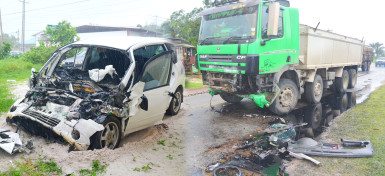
(244, 48)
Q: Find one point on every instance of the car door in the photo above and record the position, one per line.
(156, 79)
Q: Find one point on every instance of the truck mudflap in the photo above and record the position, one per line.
(348, 149)
(262, 100)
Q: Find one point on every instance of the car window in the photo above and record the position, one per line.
(74, 57)
(157, 72)
(102, 57)
(142, 55)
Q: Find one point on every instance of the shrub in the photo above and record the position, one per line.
(39, 55)
(5, 49)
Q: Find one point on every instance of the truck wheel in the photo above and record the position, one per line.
(314, 90)
(174, 106)
(342, 83)
(287, 98)
(230, 98)
(352, 78)
(313, 116)
(110, 136)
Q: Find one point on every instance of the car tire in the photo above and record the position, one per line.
(314, 90)
(174, 106)
(287, 98)
(230, 98)
(341, 84)
(110, 136)
(352, 78)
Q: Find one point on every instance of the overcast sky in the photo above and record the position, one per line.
(349, 17)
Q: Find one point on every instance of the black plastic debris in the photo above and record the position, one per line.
(348, 149)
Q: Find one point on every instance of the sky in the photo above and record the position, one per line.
(358, 19)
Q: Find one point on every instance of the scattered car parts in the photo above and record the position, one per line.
(348, 149)
(11, 142)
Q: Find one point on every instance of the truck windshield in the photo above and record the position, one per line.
(229, 27)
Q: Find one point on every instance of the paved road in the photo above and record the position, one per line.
(209, 128)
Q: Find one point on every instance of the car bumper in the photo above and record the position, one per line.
(75, 132)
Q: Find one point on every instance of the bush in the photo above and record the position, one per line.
(14, 65)
(5, 49)
(39, 55)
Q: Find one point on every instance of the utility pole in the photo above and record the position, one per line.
(23, 27)
(1, 29)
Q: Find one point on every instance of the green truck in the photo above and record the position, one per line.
(258, 50)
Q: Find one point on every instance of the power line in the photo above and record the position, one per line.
(46, 7)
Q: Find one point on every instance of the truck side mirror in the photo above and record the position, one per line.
(272, 28)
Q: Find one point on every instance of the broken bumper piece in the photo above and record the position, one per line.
(348, 149)
(12, 143)
(75, 132)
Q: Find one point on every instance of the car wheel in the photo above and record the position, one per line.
(175, 104)
(313, 116)
(110, 136)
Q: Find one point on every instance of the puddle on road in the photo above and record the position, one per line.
(262, 157)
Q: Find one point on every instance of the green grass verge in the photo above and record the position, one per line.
(192, 85)
(364, 122)
(12, 69)
(28, 167)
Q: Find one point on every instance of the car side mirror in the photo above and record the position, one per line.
(144, 103)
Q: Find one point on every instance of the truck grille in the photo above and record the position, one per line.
(43, 118)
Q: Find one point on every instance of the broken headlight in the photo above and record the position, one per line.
(13, 108)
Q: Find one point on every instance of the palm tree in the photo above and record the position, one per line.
(378, 48)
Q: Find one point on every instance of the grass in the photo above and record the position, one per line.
(192, 85)
(365, 122)
(97, 169)
(29, 167)
(12, 69)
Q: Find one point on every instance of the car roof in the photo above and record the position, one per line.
(122, 43)
(381, 58)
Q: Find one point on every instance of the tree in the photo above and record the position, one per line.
(186, 25)
(5, 49)
(62, 34)
(11, 39)
(208, 3)
(378, 48)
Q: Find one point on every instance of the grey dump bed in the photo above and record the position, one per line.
(323, 49)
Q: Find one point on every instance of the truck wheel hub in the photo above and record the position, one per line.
(318, 89)
(286, 97)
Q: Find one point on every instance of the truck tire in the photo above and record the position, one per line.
(230, 98)
(313, 116)
(341, 84)
(314, 90)
(352, 78)
(287, 98)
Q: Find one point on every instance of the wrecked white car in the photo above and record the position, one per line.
(92, 93)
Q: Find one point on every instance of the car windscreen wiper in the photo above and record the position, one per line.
(207, 39)
(237, 38)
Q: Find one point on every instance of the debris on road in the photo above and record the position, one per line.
(227, 170)
(12, 142)
(348, 149)
(303, 156)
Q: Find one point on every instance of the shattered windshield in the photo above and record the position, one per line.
(229, 27)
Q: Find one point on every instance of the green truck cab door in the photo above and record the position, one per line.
(276, 51)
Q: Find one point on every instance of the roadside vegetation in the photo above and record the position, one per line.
(48, 167)
(365, 122)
